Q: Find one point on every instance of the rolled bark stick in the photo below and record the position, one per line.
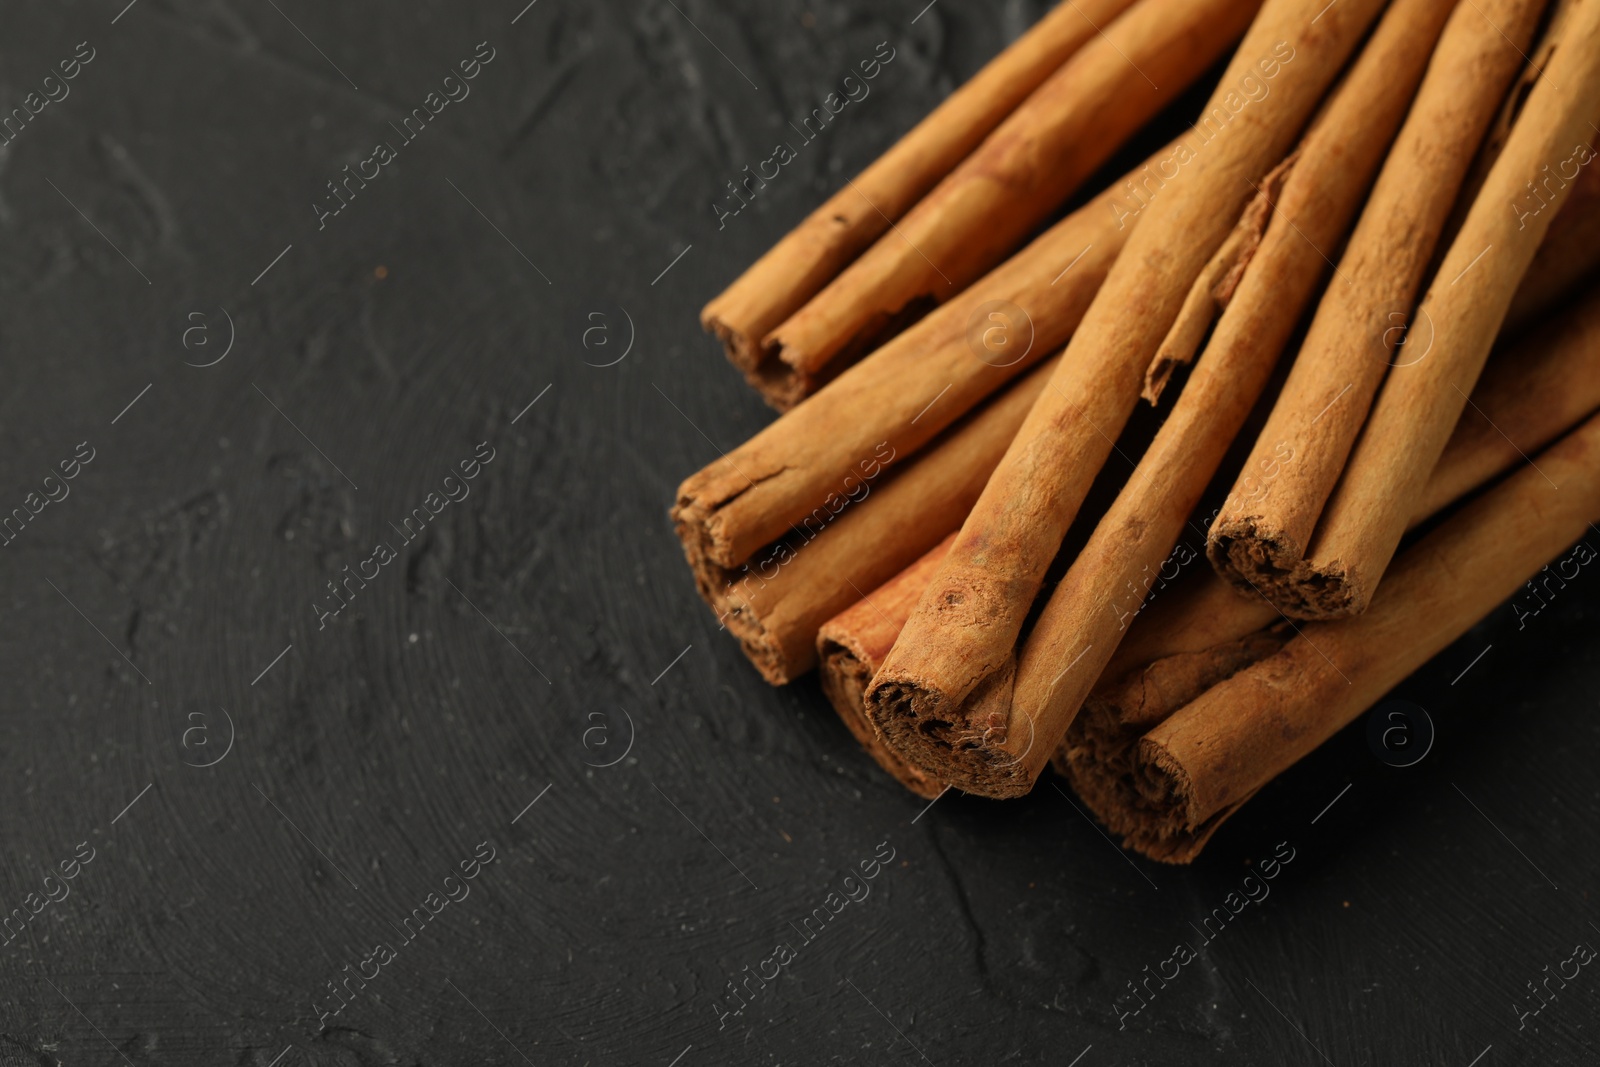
(813, 253)
(905, 392)
(852, 644)
(1570, 252)
(964, 632)
(1025, 169)
(1196, 768)
(1465, 305)
(1261, 533)
(793, 587)
(1536, 58)
(1202, 632)
(1213, 288)
(1201, 611)
(1127, 557)
(1527, 397)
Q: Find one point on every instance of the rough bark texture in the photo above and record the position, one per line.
(851, 647)
(775, 603)
(1260, 538)
(813, 253)
(1197, 767)
(1024, 171)
(1311, 201)
(1465, 306)
(943, 696)
(902, 395)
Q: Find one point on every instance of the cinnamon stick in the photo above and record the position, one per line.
(1570, 252)
(1528, 396)
(852, 644)
(906, 392)
(1536, 58)
(1201, 633)
(943, 696)
(809, 256)
(1524, 400)
(775, 604)
(1196, 768)
(1204, 634)
(1465, 305)
(1022, 172)
(1260, 535)
(1128, 555)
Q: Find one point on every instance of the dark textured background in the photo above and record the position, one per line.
(465, 680)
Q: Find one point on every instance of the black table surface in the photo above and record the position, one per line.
(229, 790)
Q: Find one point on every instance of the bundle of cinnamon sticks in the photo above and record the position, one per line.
(1307, 284)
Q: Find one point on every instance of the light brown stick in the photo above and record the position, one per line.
(1466, 303)
(1196, 768)
(904, 393)
(1262, 531)
(1525, 399)
(1570, 252)
(1528, 396)
(775, 604)
(1201, 633)
(1205, 634)
(962, 637)
(1536, 58)
(1055, 140)
(1127, 557)
(782, 280)
(852, 644)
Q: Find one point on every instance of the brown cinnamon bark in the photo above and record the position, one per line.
(1099, 755)
(1214, 286)
(1526, 398)
(1025, 170)
(943, 698)
(1536, 58)
(1196, 768)
(775, 604)
(1201, 633)
(906, 392)
(1569, 255)
(782, 280)
(1466, 303)
(1260, 536)
(851, 646)
(1127, 557)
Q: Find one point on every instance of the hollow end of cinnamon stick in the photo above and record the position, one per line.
(742, 350)
(780, 384)
(775, 381)
(1098, 756)
(1097, 759)
(764, 648)
(1169, 830)
(968, 747)
(851, 647)
(1258, 561)
(1252, 556)
(692, 524)
(845, 672)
